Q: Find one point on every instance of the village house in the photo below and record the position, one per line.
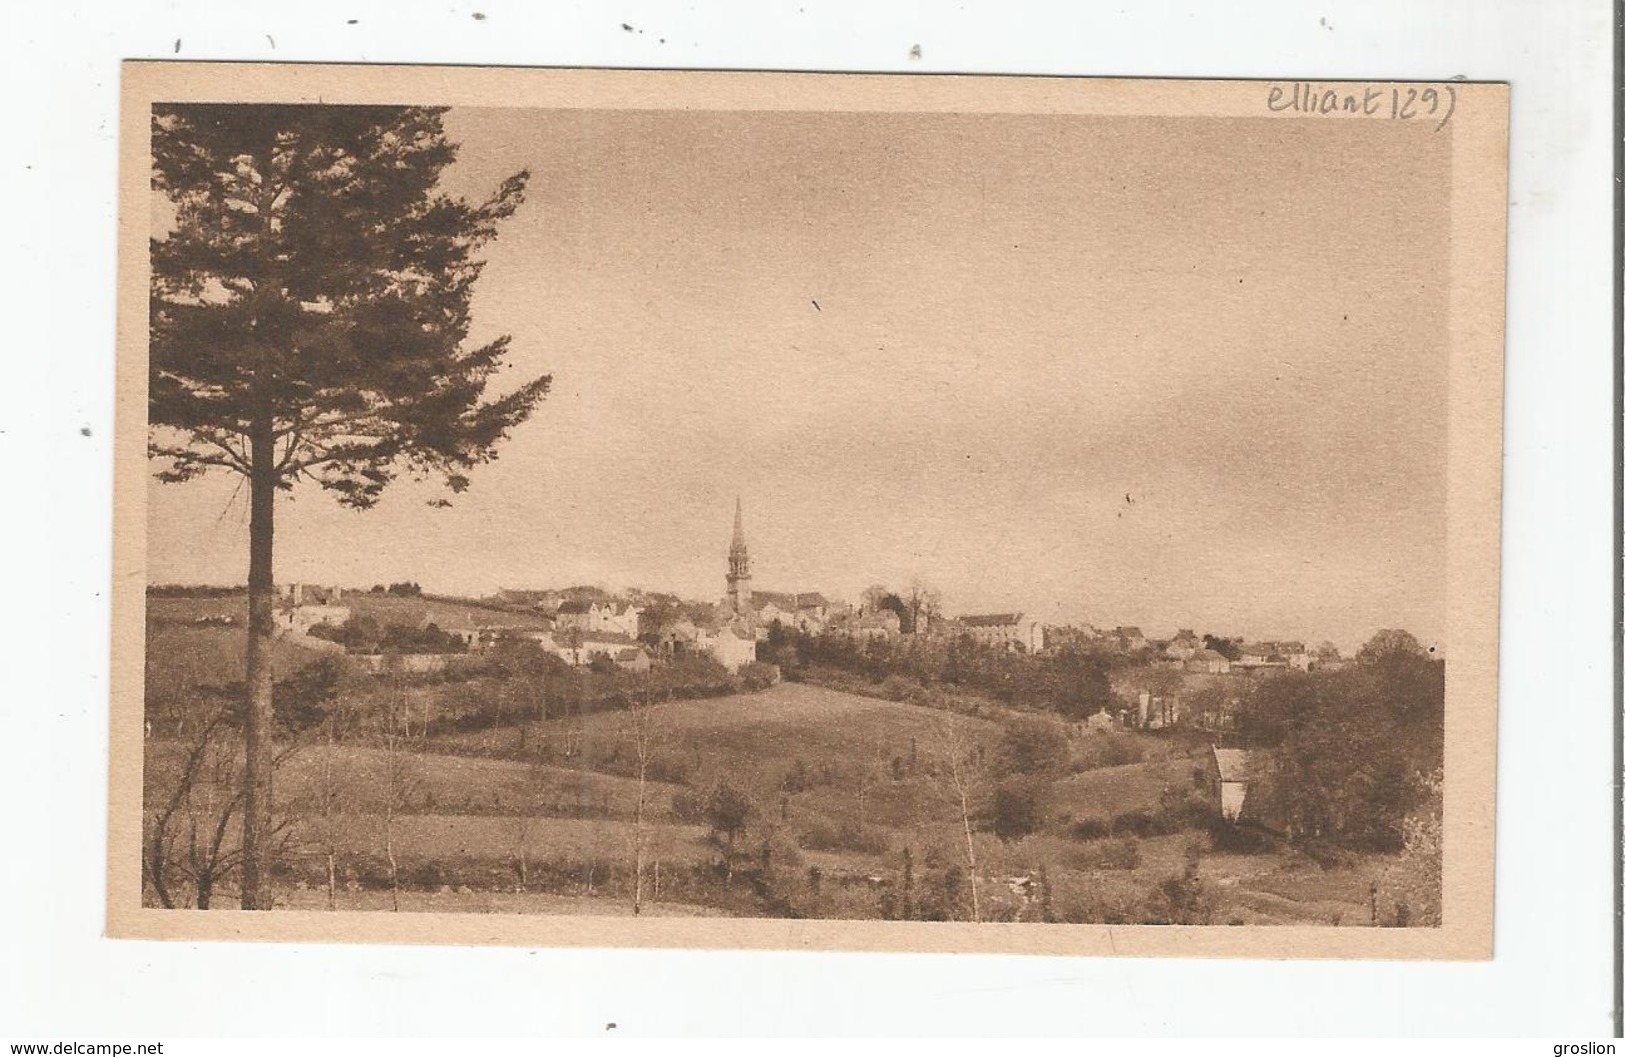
(1183, 646)
(299, 619)
(732, 646)
(599, 618)
(1208, 662)
(1255, 655)
(1100, 721)
(310, 595)
(1129, 639)
(804, 610)
(1005, 630)
(868, 627)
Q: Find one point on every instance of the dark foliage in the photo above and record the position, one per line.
(1350, 750)
(1018, 807)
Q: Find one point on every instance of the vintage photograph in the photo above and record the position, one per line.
(934, 507)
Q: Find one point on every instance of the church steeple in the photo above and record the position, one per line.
(739, 565)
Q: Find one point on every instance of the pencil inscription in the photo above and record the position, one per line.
(1397, 102)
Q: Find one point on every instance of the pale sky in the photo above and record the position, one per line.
(1165, 372)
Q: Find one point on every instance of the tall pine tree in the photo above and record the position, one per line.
(309, 310)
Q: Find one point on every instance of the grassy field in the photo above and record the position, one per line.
(849, 811)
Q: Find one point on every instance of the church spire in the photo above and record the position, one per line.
(739, 565)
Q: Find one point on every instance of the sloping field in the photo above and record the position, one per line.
(480, 838)
(358, 778)
(447, 784)
(1109, 791)
(180, 657)
(768, 730)
(447, 613)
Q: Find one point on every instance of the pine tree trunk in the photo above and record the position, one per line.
(257, 747)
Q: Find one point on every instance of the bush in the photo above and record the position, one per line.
(424, 875)
(1090, 829)
(757, 676)
(1243, 840)
(1018, 808)
(1119, 853)
(1135, 823)
(1034, 746)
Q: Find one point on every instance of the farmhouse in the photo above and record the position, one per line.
(1210, 662)
(1007, 630)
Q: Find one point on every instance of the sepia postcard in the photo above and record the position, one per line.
(807, 511)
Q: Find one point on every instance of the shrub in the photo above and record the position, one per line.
(1181, 900)
(1090, 829)
(1136, 823)
(425, 875)
(1244, 840)
(1034, 746)
(757, 676)
(1018, 808)
(1119, 853)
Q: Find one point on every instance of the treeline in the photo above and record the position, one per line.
(1070, 681)
(193, 591)
(364, 634)
(519, 682)
(1350, 754)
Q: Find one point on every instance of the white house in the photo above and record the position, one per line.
(600, 618)
(1008, 630)
(732, 647)
(299, 619)
(1234, 777)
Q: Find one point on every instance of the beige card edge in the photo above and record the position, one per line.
(1478, 128)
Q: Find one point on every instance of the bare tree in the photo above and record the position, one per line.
(399, 775)
(924, 605)
(960, 771)
(332, 791)
(189, 837)
(641, 729)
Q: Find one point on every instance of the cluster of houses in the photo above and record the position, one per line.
(585, 625)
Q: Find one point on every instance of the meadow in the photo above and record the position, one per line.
(797, 800)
